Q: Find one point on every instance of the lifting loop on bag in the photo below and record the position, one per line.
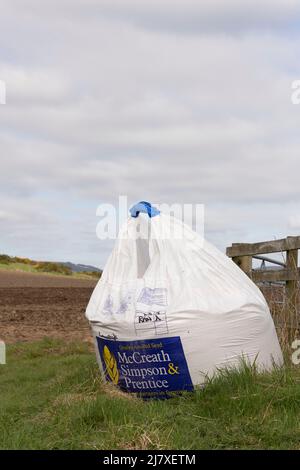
(145, 207)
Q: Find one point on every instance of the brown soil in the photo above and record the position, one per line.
(33, 306)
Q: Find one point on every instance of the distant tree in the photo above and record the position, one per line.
(49, 267)
(5, 259)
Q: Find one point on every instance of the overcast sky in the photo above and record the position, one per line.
(171, 101)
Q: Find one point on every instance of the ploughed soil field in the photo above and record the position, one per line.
(34, 306)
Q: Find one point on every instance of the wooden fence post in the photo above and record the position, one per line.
(245, 263)
(289, 273)
(292, 285)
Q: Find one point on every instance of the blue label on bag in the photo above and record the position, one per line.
(149, 367)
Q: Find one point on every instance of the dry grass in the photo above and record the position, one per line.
(286, 316)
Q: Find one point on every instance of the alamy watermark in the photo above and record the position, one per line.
(2, 353)
(2, 92)
(183, 217)
(296, 354)
(295, 96)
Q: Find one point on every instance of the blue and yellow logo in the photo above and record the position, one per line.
(111, 365)
(151, 368)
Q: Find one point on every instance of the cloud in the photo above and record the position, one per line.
(193, 17)
(35, 86)
(294, 221)
(172, 16)
(167, 101)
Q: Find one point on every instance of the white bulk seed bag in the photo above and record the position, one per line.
(170, 309)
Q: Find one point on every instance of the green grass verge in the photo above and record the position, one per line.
(18, 267)
(23, 267)
(52, 398)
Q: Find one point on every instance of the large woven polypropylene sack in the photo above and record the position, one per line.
(171, 310)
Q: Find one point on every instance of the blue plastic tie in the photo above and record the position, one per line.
(145, 207)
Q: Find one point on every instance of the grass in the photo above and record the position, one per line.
(18, 267)
(24, 267)
(52, 397)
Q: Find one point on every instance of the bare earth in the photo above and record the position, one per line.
(33, 306)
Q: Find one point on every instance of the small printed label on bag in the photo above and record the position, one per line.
(151, 367)
(154, 322)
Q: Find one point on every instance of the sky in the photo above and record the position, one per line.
(170, 101)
